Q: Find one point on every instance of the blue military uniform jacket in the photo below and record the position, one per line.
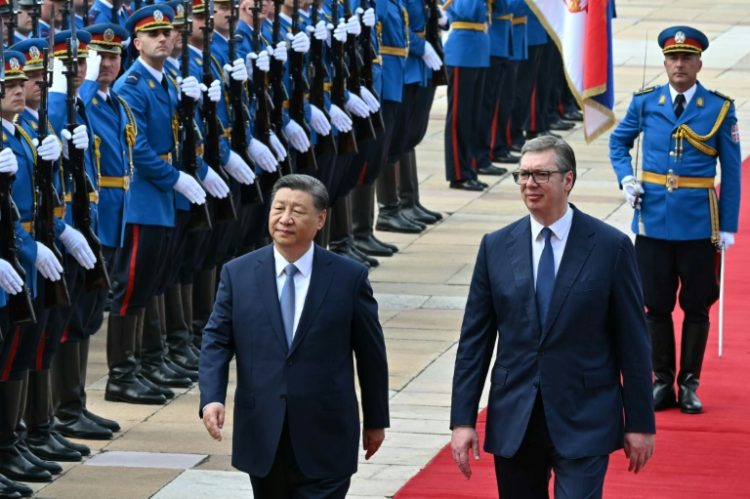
(688, 146)
(415, 70)
(519, 37)
(151, 194)
(468, 44)
(500, 28)
(394, 49)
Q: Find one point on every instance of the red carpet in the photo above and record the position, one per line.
(697, 456)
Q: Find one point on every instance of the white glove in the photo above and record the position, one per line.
(340, 119)
(322, 31)
(237, 70)
(190, 188)
(726, 240)
(261, 156)
(353, 26)
(49, 149)
(372, 102)
(296, 136)
(93, 63)
(191, 88)
(300, 42)
(215, 185)
(318, 121)
(368, 18)
(443, 21)
(633, 191)
(59, 83)
(430, 57)
(357, 106)
(79, 137)
(47, 263)
(262, 61)
(339, 33)
(214, 91)
(239, 170)
(10, 281)
(8, 161)
(277, 146)
(77, 246)
(280, 52)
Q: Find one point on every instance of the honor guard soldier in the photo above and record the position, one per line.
(679, 217)
(467, 57)
(150, 218)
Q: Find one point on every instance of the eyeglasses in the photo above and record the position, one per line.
(539, 176)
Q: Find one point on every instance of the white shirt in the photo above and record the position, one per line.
(689, 93)
(301, 279)
(103, 95)
(158, 75)
(560, 230)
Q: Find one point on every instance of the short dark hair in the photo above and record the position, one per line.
(565, 158)
(304, 183)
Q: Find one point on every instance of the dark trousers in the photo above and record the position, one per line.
(286, 480)
(489, 117)
(526, 475)
(526, 78)
(502, 139)
(23, 349)
(666, 266)
(373, 155)
(462, 127)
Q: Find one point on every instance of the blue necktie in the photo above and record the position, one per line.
(287, 303)
(545, 277)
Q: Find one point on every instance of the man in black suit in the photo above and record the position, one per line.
(559, 293)
(293, 314)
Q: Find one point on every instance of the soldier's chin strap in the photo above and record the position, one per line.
(698, 141)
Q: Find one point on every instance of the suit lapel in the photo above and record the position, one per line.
(320, 280)
(666, 106)
(577, 251)
(265, 273)
(519, 249)
(692, 107)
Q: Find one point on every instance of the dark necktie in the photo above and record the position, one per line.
(679, 105)
(164, 84)
(287, 303)
(112, 104)
(545, 277)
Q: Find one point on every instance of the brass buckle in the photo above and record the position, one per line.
(673, 181)
(126, 183)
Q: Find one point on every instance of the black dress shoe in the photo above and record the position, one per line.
(162, 375)
(347, 251)
(181, 371)
(23, 490)
(372, 262)
(50, 466)
(664, 396)
(369, 246)
(393, 221)
(82, 427)
(688, 399)
(8, 492)
(515, 147)
(574, 115)
(80, 448)
(432, 213)
(16, 467)
(492, 170)
(415, 214)
(183, 357)
(561, 125)
(467, 185)
(155, 388)
(132, 392)
(45, 446)
(113, 426)
(485, 185)
(507, 158)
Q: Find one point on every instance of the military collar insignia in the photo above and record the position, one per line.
(662, 99)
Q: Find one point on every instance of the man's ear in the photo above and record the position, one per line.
(322, 218)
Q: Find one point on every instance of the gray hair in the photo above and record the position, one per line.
(304, 183)
(565, 158)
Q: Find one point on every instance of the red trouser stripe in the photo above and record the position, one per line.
(495, 118)
(11, 355)
(362, 174)
(65, 335)
(131, 270)
(532, 117)
(39, 360)
(454, 127)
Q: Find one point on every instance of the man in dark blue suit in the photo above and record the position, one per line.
(293, 314)
(559, 293)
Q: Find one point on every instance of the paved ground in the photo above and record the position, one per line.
(164, 452)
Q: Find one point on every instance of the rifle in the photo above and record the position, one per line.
(97, 277)
(200, 219)
(305, 160)
(278, 89)
(19, 305)
(36, 13)
(318, 74)
(347, 143)
(12, 22)
(363, 126)
(85, 14)
(55, 292)
(224, 207)
(249, 194)
(368, 55)
(432, 35)
(115, 14)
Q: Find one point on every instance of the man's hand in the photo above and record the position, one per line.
(372, 439)
(463, 439)
(213, 419)
(639, 447)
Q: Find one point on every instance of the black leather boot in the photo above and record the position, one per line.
(204, 295)
(363, 211)
(7, 491)
(50, 466)
(371, 246)
(346, 249)
(12, 463)
(694, 338)
(39, 437)
(122, 385)
(83, 356)
(179, 335)
(408, 191)
(21, 489)
(392, 219)
(154, 348)
(80, 448)
(70, 419)
(663, 355)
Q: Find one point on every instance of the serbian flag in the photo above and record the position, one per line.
(582, 31)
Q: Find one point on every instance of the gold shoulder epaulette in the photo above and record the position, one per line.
(646, 90)
(725, 97)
